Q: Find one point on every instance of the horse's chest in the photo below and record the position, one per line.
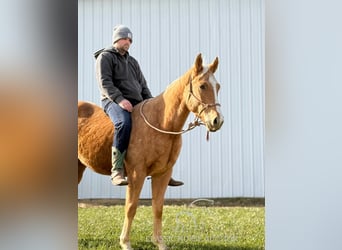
(167, 152)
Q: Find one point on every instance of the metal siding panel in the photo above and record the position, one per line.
(223, 77)
(246, 97)
(235, 97)
(154, 39)
(167, 37)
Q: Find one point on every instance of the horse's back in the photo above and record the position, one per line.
(95, 137)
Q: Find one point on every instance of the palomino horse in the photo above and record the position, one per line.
(155, 140)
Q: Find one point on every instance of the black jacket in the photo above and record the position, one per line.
(120, 77)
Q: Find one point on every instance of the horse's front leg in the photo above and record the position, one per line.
(132, 197)
(159, 185)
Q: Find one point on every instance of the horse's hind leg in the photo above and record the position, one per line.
(81, 169)
(132, 197)
(159, 185)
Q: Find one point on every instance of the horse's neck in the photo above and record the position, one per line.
(175, 111)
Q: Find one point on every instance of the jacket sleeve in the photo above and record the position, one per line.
(104, 76)
(145, 92)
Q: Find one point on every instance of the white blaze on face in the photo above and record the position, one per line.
(213, 82)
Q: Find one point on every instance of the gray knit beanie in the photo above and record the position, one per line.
(121, 31)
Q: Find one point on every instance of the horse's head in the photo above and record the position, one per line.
(201, 94)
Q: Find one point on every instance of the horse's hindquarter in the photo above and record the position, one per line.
(95, 137)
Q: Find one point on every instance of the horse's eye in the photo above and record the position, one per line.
(203, 86)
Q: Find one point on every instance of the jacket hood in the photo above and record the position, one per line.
(107, 49)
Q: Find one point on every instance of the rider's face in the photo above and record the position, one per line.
(124, 44)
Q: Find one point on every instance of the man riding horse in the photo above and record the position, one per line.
(122, 86)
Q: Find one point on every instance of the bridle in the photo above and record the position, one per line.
(192, 125)
(205, 105)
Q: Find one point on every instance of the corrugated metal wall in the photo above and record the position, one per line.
(167, 36)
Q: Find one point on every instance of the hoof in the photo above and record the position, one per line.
(125, 246)
(161, 245)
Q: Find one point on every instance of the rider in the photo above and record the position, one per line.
(122, 86)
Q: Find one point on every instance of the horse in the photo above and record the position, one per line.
(155, 140)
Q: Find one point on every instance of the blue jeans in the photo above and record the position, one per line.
(122, 121)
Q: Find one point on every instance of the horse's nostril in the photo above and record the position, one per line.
(215, 121)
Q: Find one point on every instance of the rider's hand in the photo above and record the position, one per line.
(126, 105)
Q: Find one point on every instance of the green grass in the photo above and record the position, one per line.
(198, 228)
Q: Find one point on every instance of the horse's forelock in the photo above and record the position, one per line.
(205, 70)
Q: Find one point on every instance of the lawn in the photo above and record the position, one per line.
(198, 228)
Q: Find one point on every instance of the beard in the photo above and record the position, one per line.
(123, 49)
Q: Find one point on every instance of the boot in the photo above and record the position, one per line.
(174, 183)
(118, 171)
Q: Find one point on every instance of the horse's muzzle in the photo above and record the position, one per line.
(215, 123)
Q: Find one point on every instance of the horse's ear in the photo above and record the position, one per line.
(213, 65)
(198, 64)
